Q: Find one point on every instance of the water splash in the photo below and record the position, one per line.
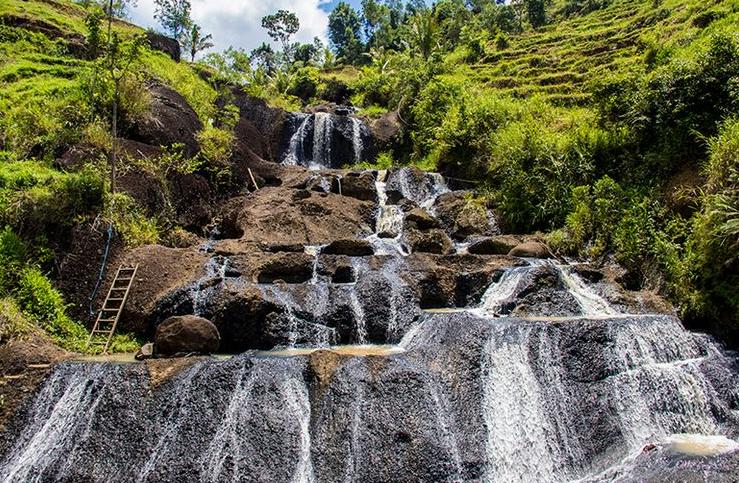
(296, 148)
(323, 124)
(357, 139)
(590, 302)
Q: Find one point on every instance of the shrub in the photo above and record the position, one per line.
(305, 83)
(131, 222)
(42, 302)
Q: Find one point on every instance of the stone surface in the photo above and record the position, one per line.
(497, 245)
(186, 335)
(463, 218)
(164, 44)
(359, 185)
(434, 241)
(531, 249)
(350, 247)
(170, 121)
(146, 352)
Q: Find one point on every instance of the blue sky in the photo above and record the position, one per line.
(238, 22)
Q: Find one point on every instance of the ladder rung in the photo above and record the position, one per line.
(123, 279)
(106, 320)
(116, 300)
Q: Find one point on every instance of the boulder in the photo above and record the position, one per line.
(421, 219)
(387, 129)
(146, 352)
(497, 245)
(531, 249)
(186, 335)
(434, 241)
(164, 44)
(350, 247)
(463, 218)
(170, 121)
(358, 185)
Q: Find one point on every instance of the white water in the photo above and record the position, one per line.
(296, 151)
(590, 302)
(389, 223)
(501, 291)
(54, 428)
(315, 252)
(215, 270)
(322, 130)
(357, 139)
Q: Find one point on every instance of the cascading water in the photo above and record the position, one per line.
(324, 140)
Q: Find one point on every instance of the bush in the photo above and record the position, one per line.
(130, 221)
(305, 84)
(42, 302)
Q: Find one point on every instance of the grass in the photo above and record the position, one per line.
(560, 60)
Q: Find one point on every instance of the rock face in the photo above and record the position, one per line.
(447, 409)
(164, 44)
(186, 335)
(171, 121)
(531, 249)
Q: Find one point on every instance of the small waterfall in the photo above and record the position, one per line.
(322, 134)
(215, 272)
(592, 304)
(389, 223)
(501, 291)
(315, 252)
(296, 148)
(357, 139)
(359, 319)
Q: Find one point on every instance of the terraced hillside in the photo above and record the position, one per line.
(558, 60)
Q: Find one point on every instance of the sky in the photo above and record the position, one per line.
(238, 23)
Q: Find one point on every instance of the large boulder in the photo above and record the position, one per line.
(463, 218)
(421, 219)
(358, 185)
(164, 44)
(497, 245)
(434, 241)
(288, 267)
(531, 249)
(170, 121)
(186, 335)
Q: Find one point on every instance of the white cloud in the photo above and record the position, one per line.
(238, 23)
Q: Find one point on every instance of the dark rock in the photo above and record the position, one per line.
(186, 335)
(164, 44)
(542, 293)
(434, 241)
(146, 352)
(421, 219)
(350, 247)
(531, 249)
(343, 274)
(387, 130)
(631, 280)
(358, 185)
(589, 274)
(290, 248)
(170, 121)
(497, 245)
(288, 267)
(463, 218)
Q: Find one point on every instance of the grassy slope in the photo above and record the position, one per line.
(558, 61)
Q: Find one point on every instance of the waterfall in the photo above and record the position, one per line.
(315, 252)
(501, 291)
(388, 224)
(592, 304)
(215, 272)
(357, 139)
(322, 135)
(296, 149)
(324, 140)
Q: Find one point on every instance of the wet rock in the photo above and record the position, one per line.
(146, 352)
(434, 241)
(270, 216)
(497, 245)
(186, 335)
(542, 293)
(164, 44)
(421, 219)
(343, 274)
(463, 217)
(170, 121)
(358, 185)
(590, 274)
(288, 267)
(279, 247)
(386, 130)
(349, 247)
(531, 249)
(631, 280)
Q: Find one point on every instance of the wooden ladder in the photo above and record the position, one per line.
(110, 314)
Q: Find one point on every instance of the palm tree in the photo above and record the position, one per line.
(196, 42)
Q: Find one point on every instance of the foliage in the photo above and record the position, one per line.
(174, 16)
(195, 41)
(344, 31)
(130, 221)
(305, 84)
(281, 26)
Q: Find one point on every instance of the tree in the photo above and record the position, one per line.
(537, 12)
(423, 33)
(116, 8)
(265, 58)
(344, 31)
(195, 42)
(173, 16)
(281, 26)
